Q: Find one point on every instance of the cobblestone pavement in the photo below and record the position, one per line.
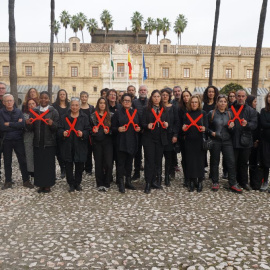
(167, 229)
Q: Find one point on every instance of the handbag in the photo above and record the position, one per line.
(245, 138)
(207, 143)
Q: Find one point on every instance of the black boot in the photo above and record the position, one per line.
(147, 189)
(128, 184)
(121, 185)
(186, 183)
(191, 185)
(155, 183)
(136, 176)
(167, 180)
(200, 185)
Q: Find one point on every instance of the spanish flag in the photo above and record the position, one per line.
(129, 66)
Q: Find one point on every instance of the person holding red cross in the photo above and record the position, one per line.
(125, 123)
(74, 132)
(155, 123)
(194, 124)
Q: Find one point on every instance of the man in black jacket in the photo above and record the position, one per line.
(11, 126)
(242, 136)
(139, 104)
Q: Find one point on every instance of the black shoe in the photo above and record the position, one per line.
(200, 186)
(47, 190)
(235, 188)
(121, 186)
(7, 185)
(135, 176)
(78, 188)
(155, 185)
(191, 186)
(186, 183)
(40, 190)
(128, 184)
(167, 181)
(247, 187)
(71, 189)
(147, 189)
(28, 184)
(63, 173)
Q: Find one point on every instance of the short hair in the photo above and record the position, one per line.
(242, 90)
(84, 93)
(199, 101)
(109, 91)
(131, 86)
(126, 95)
(3, 84)
(44, 93)
(8, 95)
(143, 85)
(103, 90)
(75, 99)
(177, 86)
(169, 92)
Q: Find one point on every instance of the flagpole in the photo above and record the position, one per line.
(142, 66)
(110, 66)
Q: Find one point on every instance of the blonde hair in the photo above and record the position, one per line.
(199, 102)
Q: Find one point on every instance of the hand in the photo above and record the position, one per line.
(28, 122)
(213, 134)
(231, 125)
(166, 124)
(6, 124)
(65, 133)
(202, 128)
(106, 131)
(184, 127)
(80, 134)
(150, 126)
(20, 120)
(95, 130)
(50, 122)
(174, 139)
(244, 123)
(122, 129)
(137, 129)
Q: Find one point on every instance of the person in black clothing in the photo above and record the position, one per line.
(132, 91)
(242, 136)
(177, 92)
(182, 110)
(102, 144)
(88, 110)
(231, 98)
(74, 132)
(154, 139)
(61, 104)
(139, 104)
(44, 142)
(127, 140)
(195, 155)
(103, 92)
(265, 141)
(172, 132)
(220, 132)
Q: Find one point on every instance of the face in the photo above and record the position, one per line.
(254, 103)
(44, 100)
(84, 98)
(74, 106)
(241, 97)
(102, 105)
(104, 93)
(2, 90)
(143, 92)
(131, 90)
(211, 93)
(126, 102)
(268, 99)
(165, 97)
(33, 93)
(194, 104)
(222, 104)
(31, 104)
(62, 95)
(186, 97)
(112, 96)
(156, 98)
(120, 94)
(232, 97)
(9, 102)
(177, 92)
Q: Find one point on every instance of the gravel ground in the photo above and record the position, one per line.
(167, 229)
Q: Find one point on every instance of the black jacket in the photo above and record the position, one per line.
(265, 124)
(74, 148)
(139, 104)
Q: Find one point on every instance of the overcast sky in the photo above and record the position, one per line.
(238, 22)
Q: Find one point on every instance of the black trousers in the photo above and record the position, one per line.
(60, 160)
(88, 165)
(138, 156)
(153, 153)
(241, 156)
(74, 179)
(18, 147)
(227, 151)
(103, 155)
(124, 165)
(169, 159)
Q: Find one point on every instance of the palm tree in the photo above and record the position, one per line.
(107, 21)
(165, 26)
(136, 21)
(257, 58)
(81, 22)
(211, 71)
(179, 26)
(92, 26)
(65, 20)
(158, 27)
(57, 27)
(74, 24)
(51, 49)
(149, 26)
(12, 51)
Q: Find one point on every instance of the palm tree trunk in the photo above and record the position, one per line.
(257, 58)
(51, 50)
(180, 39)
(211, 71)
(137, 37)
(12, 51)
(82, 36)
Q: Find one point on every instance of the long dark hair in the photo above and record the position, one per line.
(108, 116)
(57, 101)
(181, 102)
(150, 101)
(267, 104)
(205, 94)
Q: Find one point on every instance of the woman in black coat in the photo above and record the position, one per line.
(74, 132)
(194, 153)
(172, 132)
(125, 123)
(154, 122)
(102, 144)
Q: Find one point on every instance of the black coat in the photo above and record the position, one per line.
(265, 124)
(74, 148)
(148, 134)
(126, 141)
(139, 105)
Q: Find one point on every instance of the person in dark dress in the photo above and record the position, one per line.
(154, 139)
(74, 147)
(88, 110)
(195, 155)
(61, 104)
(172, 132)
(102, 144)
(127, 141)
(44, 143)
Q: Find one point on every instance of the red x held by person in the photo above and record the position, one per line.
(72, 128)
(101, 123)
(158, 120)
(194, 123)
(131, 121)
(39, 117)
(242, 122)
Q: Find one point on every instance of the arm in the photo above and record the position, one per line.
(55, 119)
(252, 123)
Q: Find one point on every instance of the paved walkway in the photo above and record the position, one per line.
(168, 229)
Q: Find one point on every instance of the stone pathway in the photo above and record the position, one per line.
(168, 229)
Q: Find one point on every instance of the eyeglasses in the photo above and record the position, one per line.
(2, 88)
(11, 100)
(125, 100)
(231, 96)
(112, 95)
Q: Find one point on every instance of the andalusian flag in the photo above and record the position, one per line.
(112, 64)
(129, 66)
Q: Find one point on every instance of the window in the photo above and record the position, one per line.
(28, 70)
(120, 69)
(95, 89)
(74, 71)
(53, 71)
(5, 70)
(249, 73)
(147, 72)
(94, 71)
(74, 88)
(206, 72)
(74, 47)
(228, 73)
(186, 72)
(165, 48)
(165, 72)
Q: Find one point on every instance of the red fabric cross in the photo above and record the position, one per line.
(193, 122)
(236, 115)
(100, 121)
(131, 120)
(157, 118)
(39, 117)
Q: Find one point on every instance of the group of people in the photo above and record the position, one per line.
(119, 126)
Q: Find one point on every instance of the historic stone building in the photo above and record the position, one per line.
(87, 67)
